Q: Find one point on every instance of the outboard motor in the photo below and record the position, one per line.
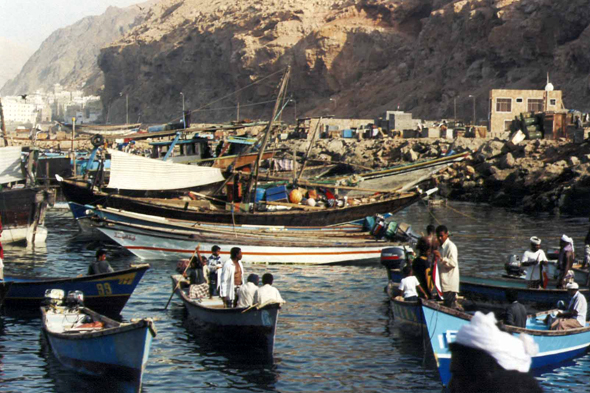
(378, 230)
(513, 267)
(75, 299)
(393, 258)
(54, 297)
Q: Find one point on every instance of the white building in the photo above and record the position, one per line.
(19, 110)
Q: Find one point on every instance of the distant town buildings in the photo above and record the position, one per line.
(45, 107)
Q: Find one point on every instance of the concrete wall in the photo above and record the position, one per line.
(519, 102)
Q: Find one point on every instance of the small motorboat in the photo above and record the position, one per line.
(88, 342)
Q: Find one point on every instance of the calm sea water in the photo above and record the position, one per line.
(335, 334)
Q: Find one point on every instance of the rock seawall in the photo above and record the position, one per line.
(533, 176)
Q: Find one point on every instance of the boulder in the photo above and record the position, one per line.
(573, 161)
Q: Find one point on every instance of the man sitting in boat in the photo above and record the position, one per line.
(232, 277)
(534, 259)
(515, 312)
(246, 292)
(566, 259)
(410, 285)
(486, 359)
(100, 266)
(267, 293)
(575, 316)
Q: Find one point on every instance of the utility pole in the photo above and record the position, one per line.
(455, 112)
(183, 116)
(2, 125)
(73, 136)
(472, 96)
(126, 108)
(238, 114)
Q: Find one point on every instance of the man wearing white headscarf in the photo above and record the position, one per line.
(566, 259)
(575, 316)
(534, 259)
(486, 359)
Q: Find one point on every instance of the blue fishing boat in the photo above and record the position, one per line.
(90, 343)
(253, 326)
(105, 293)
(408, 314)
(490, 291)
(555, 346)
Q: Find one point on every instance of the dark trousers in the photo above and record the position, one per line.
(213, 284)
(411, 299)
(450, 299)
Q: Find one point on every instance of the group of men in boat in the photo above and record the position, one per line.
(435, 271)
(437, 252)
(212, 277)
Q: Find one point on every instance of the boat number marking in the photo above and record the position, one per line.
(265, 318)
(123, 235)
(445, 339)
(127, 280)
(104, 289)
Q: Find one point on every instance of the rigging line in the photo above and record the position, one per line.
(237, 91)
(241, 106)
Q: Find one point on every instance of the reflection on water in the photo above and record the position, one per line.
(335, 334)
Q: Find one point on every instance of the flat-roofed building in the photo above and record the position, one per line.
(506, 104)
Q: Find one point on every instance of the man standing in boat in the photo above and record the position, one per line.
(214, 264)
(100, 266)
(534, 259)
(566, 259)
(232, 277)
(448, 267)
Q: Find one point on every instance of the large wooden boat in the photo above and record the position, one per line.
(90, 343)
(81, 193)
(255, 326)
(148, 242)
(555, 346)
(105, 293)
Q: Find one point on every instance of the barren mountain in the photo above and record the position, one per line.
(18, 55)
(353, 58)
(68, 56)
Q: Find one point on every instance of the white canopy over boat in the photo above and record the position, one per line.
(132, 172)
(10, 168)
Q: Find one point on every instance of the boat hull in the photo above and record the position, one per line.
(154, 243)
(256, 327)
(183, 210)
(104, 293)
(409, 315)
(22, 212)
(120, 352)
(555, 347)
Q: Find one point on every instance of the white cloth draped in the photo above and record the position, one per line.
(132, 172)
(10, 168)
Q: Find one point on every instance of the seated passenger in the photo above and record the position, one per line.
(409, 284)
(246, 292)
(516, 312)
(575, 316)
(534, 260)
(100, 265)
(267, 293)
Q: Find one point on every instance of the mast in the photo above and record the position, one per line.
(2, 124)
(268, 130)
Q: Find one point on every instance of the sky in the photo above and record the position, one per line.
(30, 22)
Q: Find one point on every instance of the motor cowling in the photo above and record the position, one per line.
(393, 257)
(75, 299)
(54, 297)
(513, 266)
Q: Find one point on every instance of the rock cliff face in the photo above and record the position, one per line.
(68, 56)
(366, 55)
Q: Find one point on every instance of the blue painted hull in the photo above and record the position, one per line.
(409, 315)
(488, 290)
(120, 352)
(104, 293)
(554, 347)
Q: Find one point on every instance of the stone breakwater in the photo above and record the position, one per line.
(532, 176)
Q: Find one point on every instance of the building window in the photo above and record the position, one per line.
(507, 125)
(519, 100)
(503, 105)
(535, 105)
(553, 102)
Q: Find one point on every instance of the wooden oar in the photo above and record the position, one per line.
(185, 269)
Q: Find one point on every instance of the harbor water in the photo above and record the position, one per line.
(335, 333)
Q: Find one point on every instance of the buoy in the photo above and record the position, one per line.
(311, 202)
(295, 196)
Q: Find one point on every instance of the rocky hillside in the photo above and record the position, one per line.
(353, 58)
(18, 55)
(68, 56)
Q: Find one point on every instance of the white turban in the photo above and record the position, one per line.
(535, 240)
(567, 239)
(511, 352)
(572, 285)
